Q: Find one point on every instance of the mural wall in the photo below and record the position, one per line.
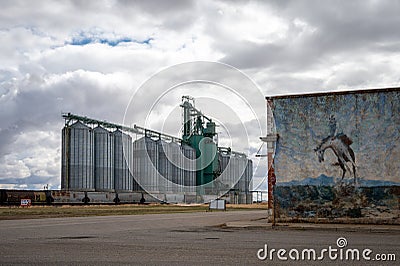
(318, 134)
(337, 140)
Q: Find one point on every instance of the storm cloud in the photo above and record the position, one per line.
(89, 57)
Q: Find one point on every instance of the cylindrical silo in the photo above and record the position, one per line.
(175, 157)
(136, 187)
(65, 158)
(249, 182)
(226, 174)
(164, 166)
(240, 171)
(104, 159)
(188, 172)
(242, 183)
(122, 156)
(80, 176)
(145, 154)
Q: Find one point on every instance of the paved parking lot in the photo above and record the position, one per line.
(174, 239)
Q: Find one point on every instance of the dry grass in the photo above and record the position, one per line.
(35, 212)
(260, 206)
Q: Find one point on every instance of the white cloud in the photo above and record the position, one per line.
(88, 57)
(252, 22)
(13, 167)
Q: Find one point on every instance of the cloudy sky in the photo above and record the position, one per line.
(87, 57)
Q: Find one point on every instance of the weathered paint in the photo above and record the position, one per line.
(370, 119)
(322, 134)
(373, 204)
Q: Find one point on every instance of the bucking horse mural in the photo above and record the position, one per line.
(340, 145)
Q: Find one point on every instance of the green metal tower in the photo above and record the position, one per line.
(201, 138)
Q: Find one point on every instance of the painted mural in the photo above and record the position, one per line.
(349, 137)
(337, 155)
(340, 145)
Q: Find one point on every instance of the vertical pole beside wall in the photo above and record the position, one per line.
(270, 149)
(67, 157)
(270, 195)
(270, 139)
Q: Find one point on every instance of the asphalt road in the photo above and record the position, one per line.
(175, 239)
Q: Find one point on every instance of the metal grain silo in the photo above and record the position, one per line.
(135, 183)
(64, 158)
(240, 163)
(145, 158)
(175, 162)
(232, 167)
(164, 166)
(236, 173)
(103, 159)
(175, 156)
(249, 182)
(243, 184)
(122, 158)
(223, 160)
(188, 172)
(79, 157)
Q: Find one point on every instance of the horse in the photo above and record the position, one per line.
(340, 145)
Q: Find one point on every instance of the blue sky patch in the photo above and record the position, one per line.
(84, 40)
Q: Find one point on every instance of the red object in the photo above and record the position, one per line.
(26, 202)
(273, 179)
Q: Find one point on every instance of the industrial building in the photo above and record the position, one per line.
(103, 161)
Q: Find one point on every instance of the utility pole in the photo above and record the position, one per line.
(271, 139)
